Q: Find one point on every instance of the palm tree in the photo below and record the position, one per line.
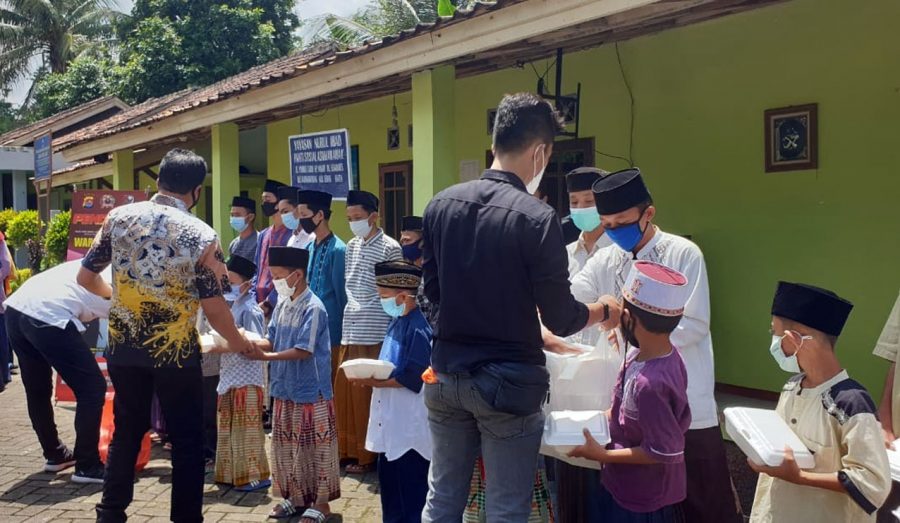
(53, 31)
(382, 18)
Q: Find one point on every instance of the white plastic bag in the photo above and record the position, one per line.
(582, 382)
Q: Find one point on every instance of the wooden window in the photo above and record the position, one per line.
(395, 183)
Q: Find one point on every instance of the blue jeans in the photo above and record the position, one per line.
(462, 423)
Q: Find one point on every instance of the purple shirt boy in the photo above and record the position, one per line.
(651, 411)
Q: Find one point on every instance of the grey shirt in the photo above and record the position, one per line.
(245, 248)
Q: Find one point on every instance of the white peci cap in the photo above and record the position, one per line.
(656, 288)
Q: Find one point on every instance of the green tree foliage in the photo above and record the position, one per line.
(6, 216)
(9, 116)
(173, 44)
(21, 276)
(56, 241)
(26, 225)
(89, 76)
(24, 231)
(56, 31)
(381, 18)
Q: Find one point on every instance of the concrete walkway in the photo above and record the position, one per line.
(28, 494)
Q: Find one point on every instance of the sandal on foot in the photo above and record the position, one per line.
(254, 486)
(314, 516)
(356, 468)
(283, 510)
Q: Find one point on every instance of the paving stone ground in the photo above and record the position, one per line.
(29, 494)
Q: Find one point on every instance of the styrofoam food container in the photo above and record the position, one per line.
(761, 434)
(894, 460)
(593, 420)
(363, 368)
(214, 339)
(207, 342)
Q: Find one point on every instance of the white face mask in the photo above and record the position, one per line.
(361, 228)
(282, 288)
(535, 182)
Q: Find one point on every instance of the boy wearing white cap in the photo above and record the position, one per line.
(833, 415)
(644, 476)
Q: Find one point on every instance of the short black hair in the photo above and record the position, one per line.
(181, 171)
(653, 322)
(523, 118)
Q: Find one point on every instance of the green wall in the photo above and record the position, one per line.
(367, 123)
(699, 96)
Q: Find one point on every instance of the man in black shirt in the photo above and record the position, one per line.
(494, 257)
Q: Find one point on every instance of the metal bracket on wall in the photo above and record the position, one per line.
(569, 106)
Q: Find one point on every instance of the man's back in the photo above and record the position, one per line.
(493, 256)
(164, 262)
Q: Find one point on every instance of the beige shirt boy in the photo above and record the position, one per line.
(837, 422)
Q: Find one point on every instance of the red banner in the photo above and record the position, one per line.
(89, 209)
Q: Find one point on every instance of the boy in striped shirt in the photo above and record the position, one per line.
(365, 323)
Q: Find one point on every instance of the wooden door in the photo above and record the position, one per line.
(567, 155)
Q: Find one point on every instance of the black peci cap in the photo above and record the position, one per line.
(583, 178)
(246, 203)
(411, 223)
(290, 257)
(620, 191)
(287, 193)
(317, 199)
(242, 266)
(272, 186)
(812, 306)
(366, 199)
(398, 275)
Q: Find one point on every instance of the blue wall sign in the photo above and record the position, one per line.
(321, 162)
(43, 158)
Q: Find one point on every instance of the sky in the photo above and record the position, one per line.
(303, 8)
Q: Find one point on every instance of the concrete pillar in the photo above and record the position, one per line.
(226, 180)
(20, 190)
(434, 134)
(123, 170)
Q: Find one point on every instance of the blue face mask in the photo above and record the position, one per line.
(587, 219)
(627, 236)
(391, 308)
(412, 252)
(290, 221)
(238, 223)
(787, 363)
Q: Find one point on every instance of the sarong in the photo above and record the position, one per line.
(241, 446)
(541, 508)
(304, 450)
(352, 405)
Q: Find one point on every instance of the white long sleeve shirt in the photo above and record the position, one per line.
(55, 298)
(605, 273)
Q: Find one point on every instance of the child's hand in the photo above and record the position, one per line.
(788, 470)
(590, 450)
(364, 382)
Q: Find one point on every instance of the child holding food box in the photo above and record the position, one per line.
(398, 420)
(304, 434)
(833, 415)
(241, 452)
(644, 477)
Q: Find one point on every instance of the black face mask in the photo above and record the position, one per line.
(268, 209)
(628, 332)
(309, 225)
(195, 197)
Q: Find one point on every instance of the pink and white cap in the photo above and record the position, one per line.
(656, 288)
